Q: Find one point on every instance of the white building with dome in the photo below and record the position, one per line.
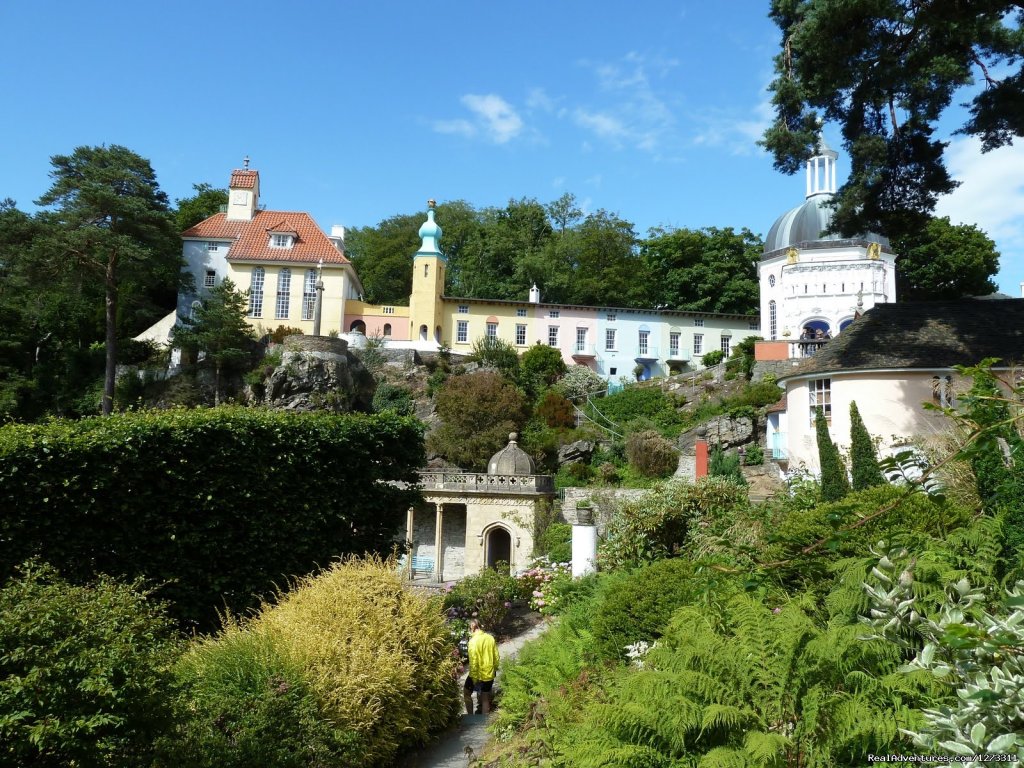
(810, 279)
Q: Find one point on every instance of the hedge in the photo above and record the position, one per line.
(212, 506)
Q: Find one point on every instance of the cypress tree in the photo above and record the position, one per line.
(863, 460)
(834, 484)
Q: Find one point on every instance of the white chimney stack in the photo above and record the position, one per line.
(535, 294)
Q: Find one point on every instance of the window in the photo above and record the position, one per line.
(387, 329)
(725, 342)
(520, 313)
(581, 339)
(280, 241)
(520, 335)
(284, 286)
(698, 344)
(754, 325)
(609, 338)
(552, 335)
(309, 294)
(771, 280)
(212, 246)
(462, 331)
(820, 391)
(612, 371)
(773, 321)
(492, 330)
(426, 270)
(673, 344)
(388, 310)
(463, 309)
(211, 279)
(642, 342)
(553, 314)
(610, 317)
(256, 293)
(698, 322)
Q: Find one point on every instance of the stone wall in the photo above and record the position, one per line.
(453, 528)
(602, 500)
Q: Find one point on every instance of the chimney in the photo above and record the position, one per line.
(337, 237)
(535, 294)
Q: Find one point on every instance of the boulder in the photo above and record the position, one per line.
(574, 453)
(724, 430)
(319, 373)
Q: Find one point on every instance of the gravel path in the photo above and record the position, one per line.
(469, 737)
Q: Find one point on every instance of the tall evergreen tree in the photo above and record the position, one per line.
(219, 330)
(834, 484)
(863, 459)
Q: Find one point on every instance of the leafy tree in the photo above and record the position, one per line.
(864, 467)
(540, 367)
(382, 256)
(650, 454)
(834, 484)
(111, 219)
(219, 330)
(703, 270)
(945, 261)
(84, 671)
(579, 381)
(742, 358)
(206, 202)
(888, 86)
(477, 411)
(556, 411)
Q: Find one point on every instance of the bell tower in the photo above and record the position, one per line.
(428, 267)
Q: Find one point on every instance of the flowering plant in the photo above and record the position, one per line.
(540, 584)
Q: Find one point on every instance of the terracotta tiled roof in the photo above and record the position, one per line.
(244, 179)
(251, 239)
(927, 334)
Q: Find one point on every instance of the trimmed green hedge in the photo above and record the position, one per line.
(212, 506)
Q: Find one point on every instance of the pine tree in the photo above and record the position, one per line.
(863, 460)
(834, 484)
(218, 329)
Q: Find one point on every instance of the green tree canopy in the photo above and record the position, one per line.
(704, 270)
(111, 220)
(945, 261)
(887, 86)
(206, 201)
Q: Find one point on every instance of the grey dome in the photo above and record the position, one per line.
(511, 460)
(806, 223)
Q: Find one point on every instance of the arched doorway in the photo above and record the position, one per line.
(423, 333)
(358, 326)
(498, 548)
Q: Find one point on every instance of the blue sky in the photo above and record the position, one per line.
(358, 111)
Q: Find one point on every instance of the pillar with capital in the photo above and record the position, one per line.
(439, 543)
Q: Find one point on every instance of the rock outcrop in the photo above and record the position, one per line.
(318, 373)
(723, 430)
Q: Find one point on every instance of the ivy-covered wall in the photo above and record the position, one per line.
(213, 506)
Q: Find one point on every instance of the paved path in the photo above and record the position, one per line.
(470, 735)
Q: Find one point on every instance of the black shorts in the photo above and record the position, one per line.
(482, 687)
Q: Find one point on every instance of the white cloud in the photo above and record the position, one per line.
(558, 182)
(538, 99)
(736, 131)
(492, 117)
(991, 195)
(500, 120)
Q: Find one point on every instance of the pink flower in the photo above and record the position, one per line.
(776, 610)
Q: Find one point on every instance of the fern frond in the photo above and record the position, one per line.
(723, 757)
(765, 748)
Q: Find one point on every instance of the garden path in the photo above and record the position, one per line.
(457, 747)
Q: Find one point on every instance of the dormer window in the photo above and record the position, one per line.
(278, 240)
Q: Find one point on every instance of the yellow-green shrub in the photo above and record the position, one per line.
(374, 658)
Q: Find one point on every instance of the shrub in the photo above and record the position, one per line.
(350, 652)
(863, 460)
(556, 543)
(84, 671)
(278, 335)
(636, 402)
(477, 411)
(540, 367)
(754, 455)
(556, 411)
(486, 596)
(712, 358)
(541, 585)
(651, 455)
(726, 465)
(496, 353)
(834, 484)
(394, 398)
(192, 500)
(578, 382)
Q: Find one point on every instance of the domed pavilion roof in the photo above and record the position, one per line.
(807, 222)
(511, 460)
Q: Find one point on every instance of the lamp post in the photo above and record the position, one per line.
(318, 305)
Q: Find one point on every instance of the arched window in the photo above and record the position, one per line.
(192, 310)
(284, 286)
(423, 333)
(256, 292)
(387, 329)
(357, 326)
(773, 325)
(309, 295)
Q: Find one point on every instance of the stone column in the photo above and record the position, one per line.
(439, 544)
(584, 543)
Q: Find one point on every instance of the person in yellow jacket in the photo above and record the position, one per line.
(483, 665)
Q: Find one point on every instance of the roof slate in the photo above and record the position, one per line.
(251, 239)
(932, 334)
